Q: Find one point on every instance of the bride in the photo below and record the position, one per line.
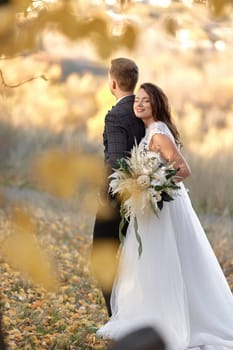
(177, 285)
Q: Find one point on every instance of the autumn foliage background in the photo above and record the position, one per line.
(54, 96)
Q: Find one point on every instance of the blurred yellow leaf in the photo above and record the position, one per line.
(103, 45)
(72, 26)
(22, 251)
(125, 36)
(67, 23)
(7, 19)
(21, 5)
(105, 211)
(104, 254)
(124, 3)
(90, 169)
(219, 7)
(56, 172)
(98, 30)
(98, 24)
(18, 41)
(92, 203)
(171, 25)
(21, 221)
(61, 173)
(129, 37)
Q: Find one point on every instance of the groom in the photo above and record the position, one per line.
(121, 130)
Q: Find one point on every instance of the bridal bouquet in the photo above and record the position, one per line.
(143, 180)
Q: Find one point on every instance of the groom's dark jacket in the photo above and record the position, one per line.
(122, 129)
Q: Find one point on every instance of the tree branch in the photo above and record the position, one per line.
(23, 82)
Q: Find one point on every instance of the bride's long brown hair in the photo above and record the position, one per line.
(161, 108)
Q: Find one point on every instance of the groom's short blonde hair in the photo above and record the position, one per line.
(125, 71)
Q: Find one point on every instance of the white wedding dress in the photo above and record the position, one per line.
(177, 285)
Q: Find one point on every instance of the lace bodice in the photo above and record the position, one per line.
(157, 127)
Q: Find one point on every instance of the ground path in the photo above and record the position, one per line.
(34, 318)
(67, 319)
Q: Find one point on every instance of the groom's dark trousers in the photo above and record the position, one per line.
(121, 131)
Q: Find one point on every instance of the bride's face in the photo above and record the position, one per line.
(142, 106)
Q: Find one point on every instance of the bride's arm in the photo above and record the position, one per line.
(168, 150)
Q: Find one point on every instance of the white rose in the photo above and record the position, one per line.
(146, 171)
(143, 181)
(159, 178)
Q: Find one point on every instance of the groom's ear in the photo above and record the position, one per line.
(114, 84)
